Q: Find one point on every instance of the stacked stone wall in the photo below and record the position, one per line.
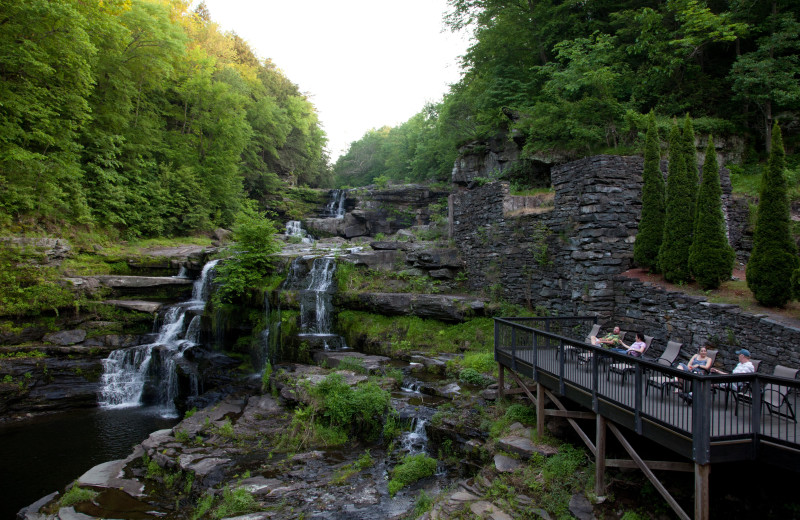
(569, 260)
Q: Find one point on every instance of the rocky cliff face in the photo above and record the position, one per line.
(373, 210)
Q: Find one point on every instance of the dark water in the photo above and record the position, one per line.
(42, 455)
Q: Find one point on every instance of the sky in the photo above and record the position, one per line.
(363, 63)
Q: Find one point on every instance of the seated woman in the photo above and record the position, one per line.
(700, 363)
(636, 348)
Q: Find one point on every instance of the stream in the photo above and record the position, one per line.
(44, 454)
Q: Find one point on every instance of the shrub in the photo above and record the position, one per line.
(235, 502)
(412, 469)
(76, 495)
(710, 256)
(774, 257)
(472, 377)
(673, 255)
(651, 223)
(357, 410)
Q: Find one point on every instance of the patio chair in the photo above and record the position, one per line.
(776, 396)
(572, 351)
(585, 358)
(667, 358)
(623, 368)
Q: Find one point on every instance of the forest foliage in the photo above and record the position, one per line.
(142, 116)
(570, 78)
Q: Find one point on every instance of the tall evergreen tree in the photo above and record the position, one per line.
(690, 156)
(774, 258)
(651, 224)
(710, 256)
(673, 256)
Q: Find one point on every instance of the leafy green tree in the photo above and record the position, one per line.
(710, 257)
(651, 224)
(251, 257)
(673, 256)
(774, 258)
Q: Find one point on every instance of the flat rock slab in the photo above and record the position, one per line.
(69, 513)
(135, 305)
(109, 475)
(485, 509)
(141, 281)
(65, 337)
(525, 447)
(505, 464)
(260, 485)
(333, 358)
(463, 496)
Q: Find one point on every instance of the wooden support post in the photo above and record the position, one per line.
(540, 409)
(701, 493)
(600, 457)
(501, 380)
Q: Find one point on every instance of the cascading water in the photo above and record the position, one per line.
(335, 206)
(295, 229)
(416, 440)
(319, 285)
(126, 372)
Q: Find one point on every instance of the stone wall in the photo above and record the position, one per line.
(569, 259)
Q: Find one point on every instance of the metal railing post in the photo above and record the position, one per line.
(756, 413)
(496, 338)
(595, 382)
(701, 420)
(514, 348)
(637, 392)
(535, 357)
(562, 387)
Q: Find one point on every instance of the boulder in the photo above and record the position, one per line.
(135, 305)
(524, 447)
(437, 306)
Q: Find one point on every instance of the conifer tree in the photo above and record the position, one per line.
(710, 256)
(690, 156)
(651, 224)
(673, 256)
(774, 257)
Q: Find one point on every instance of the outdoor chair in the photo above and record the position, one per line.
(667, 358)
(776, 396)
(585, 358)
(623, 368)
(572, 351)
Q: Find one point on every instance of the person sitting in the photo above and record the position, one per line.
(745, 366)
(700, 363)
(635, 349)
(611, 339)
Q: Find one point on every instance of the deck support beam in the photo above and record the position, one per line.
(540, 409)
(649, 473)
(701, 491)
(501, 380)
(600, 457)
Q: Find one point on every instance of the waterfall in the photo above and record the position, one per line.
(335, 206)
(415, 441)
(294, 229)
(126, 372)
(319, 288)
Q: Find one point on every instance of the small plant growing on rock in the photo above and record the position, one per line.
(76, 495)
(412, 469)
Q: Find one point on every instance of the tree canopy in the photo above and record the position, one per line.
(143, 116)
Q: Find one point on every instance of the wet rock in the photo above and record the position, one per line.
(110, 475)
(259, 485)
(65, 337)
(330, 358)
(69, 513)
(31, 512)
(581, 508)
(135, 305)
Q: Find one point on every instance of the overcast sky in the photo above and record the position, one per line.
(363, 63)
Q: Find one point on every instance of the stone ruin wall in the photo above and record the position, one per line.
(592, 227)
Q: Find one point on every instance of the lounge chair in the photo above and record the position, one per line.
(776, 396)
(667, 358)
(624, 368)
(572, 351)
(585, 358)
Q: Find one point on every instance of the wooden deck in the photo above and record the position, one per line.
(713, 428)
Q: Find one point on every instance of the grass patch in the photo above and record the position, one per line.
(412, 333)
(77, 495)
(412, 469)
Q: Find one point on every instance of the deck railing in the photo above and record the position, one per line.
(726, 418)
